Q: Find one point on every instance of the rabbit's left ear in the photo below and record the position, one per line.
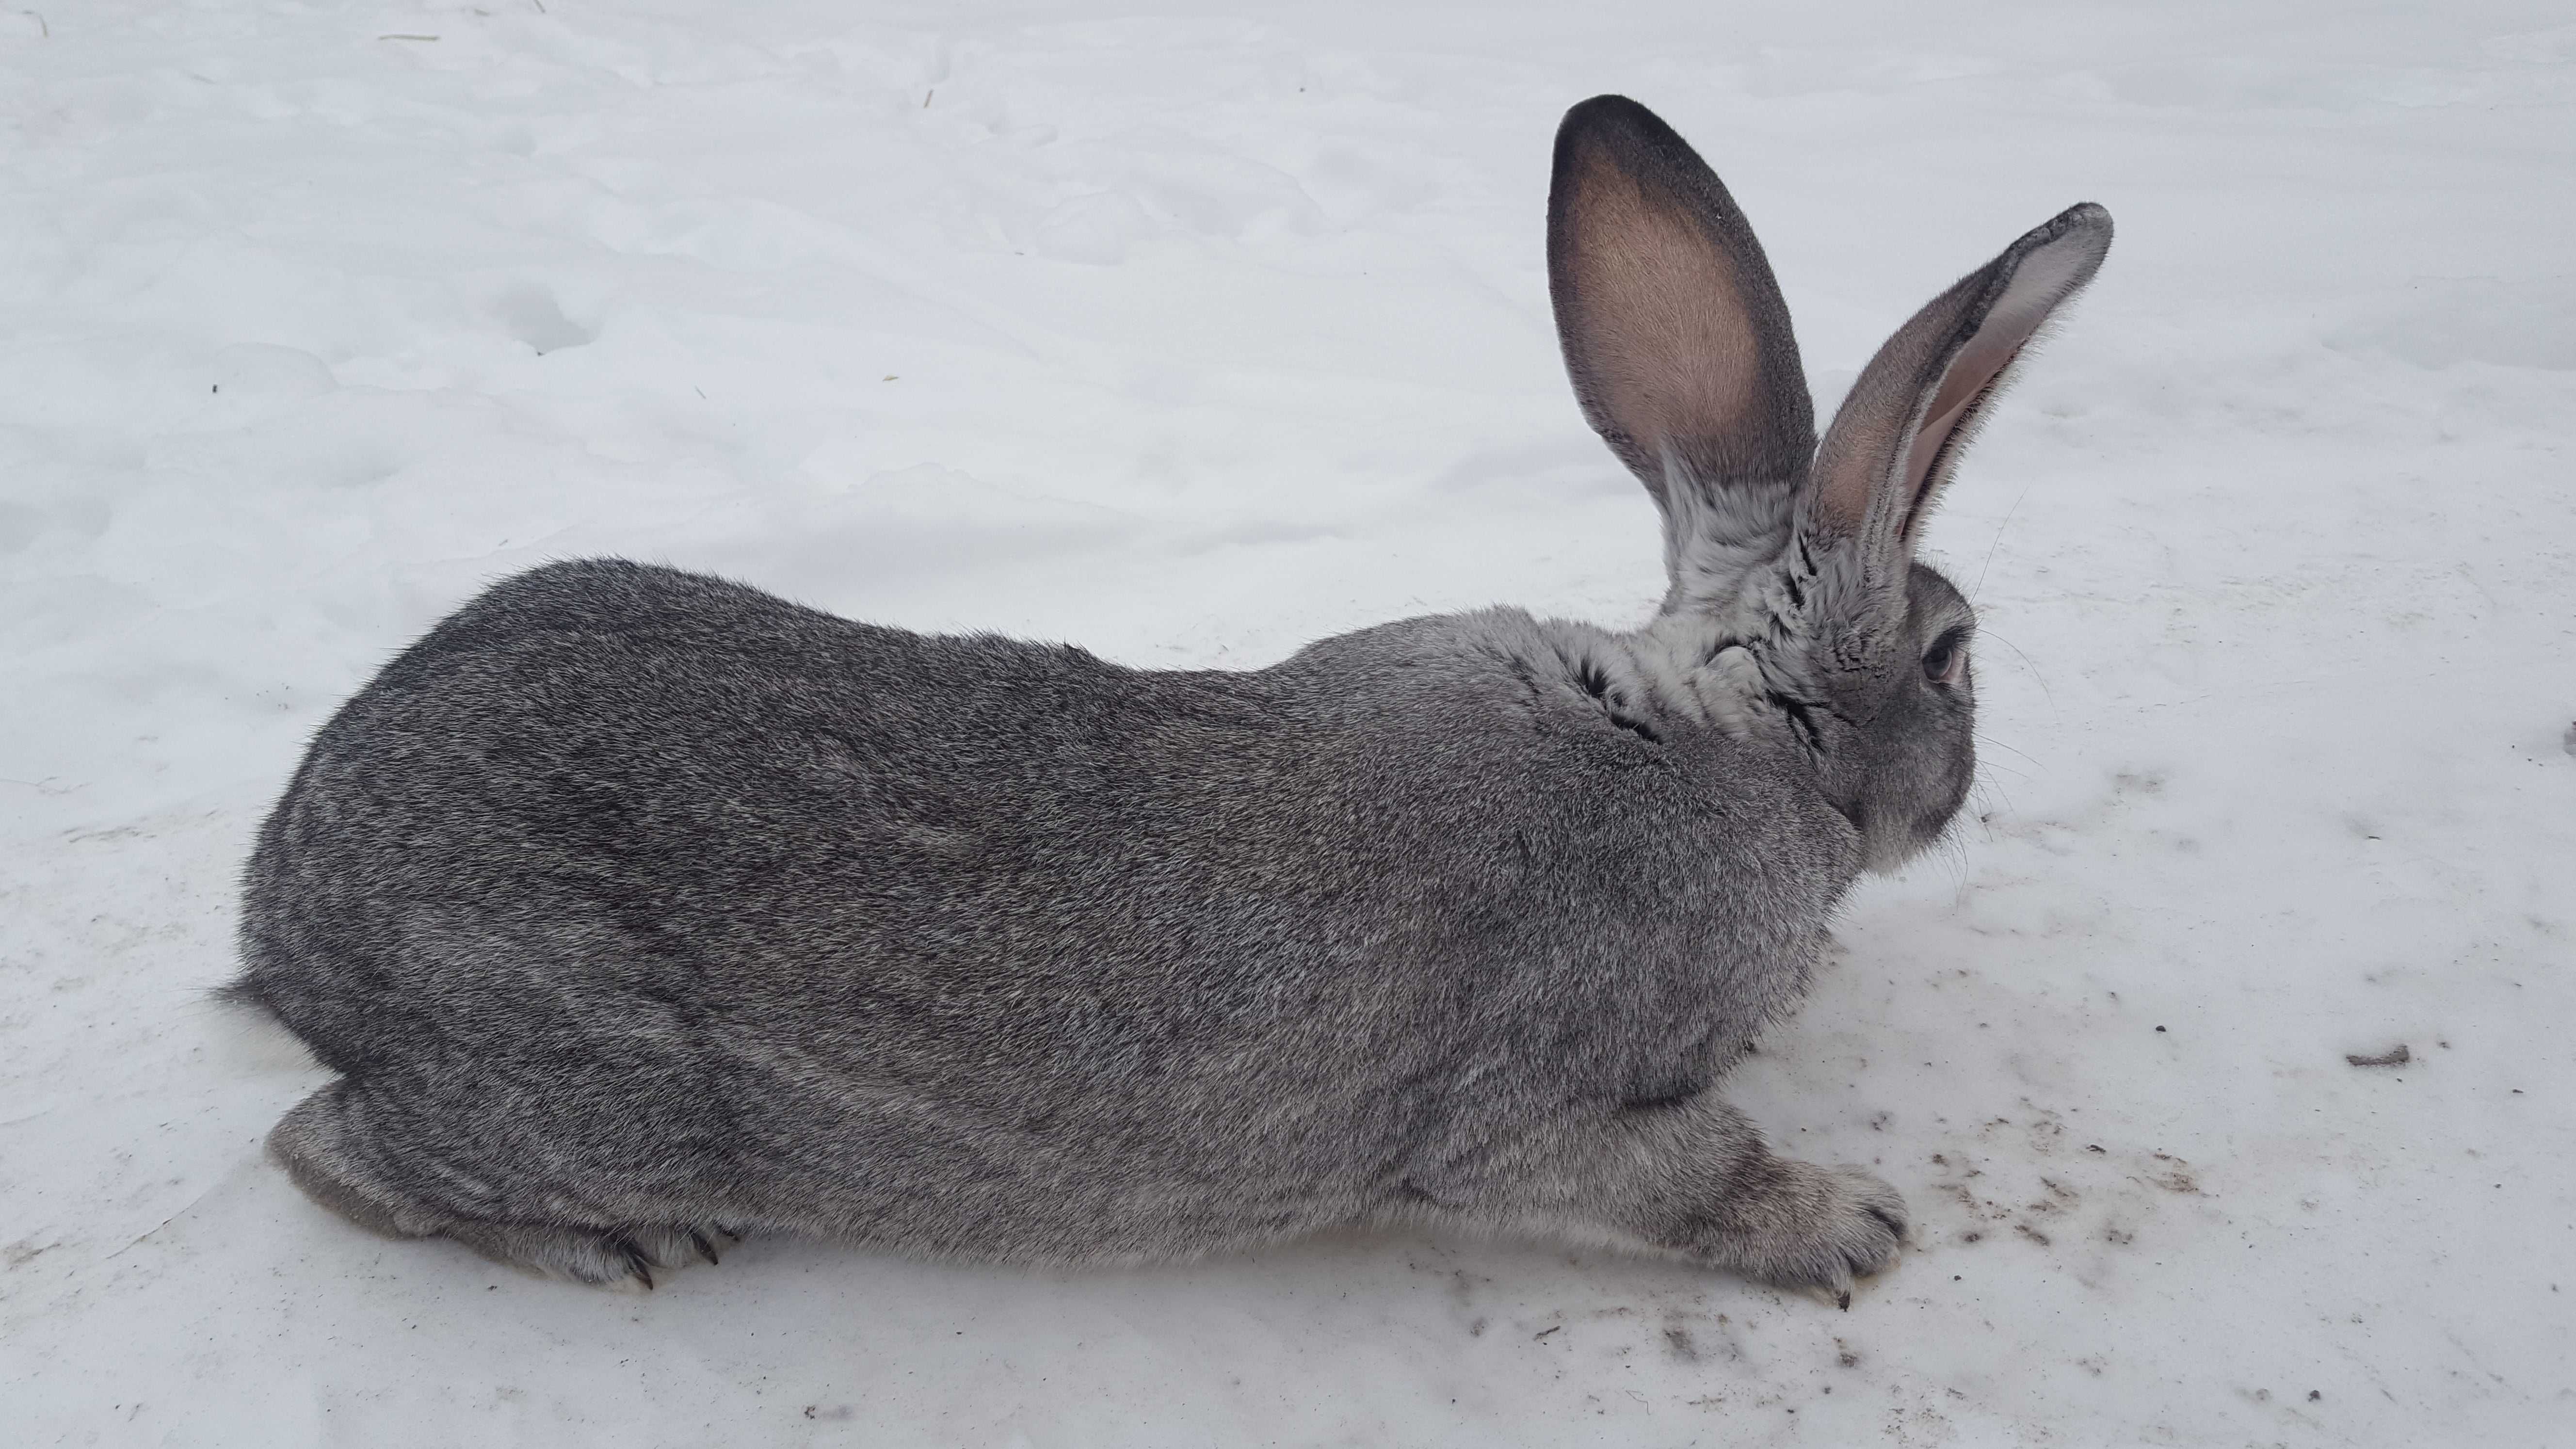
(1898, 436)
(1675, 336)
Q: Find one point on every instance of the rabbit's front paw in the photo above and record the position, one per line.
(1804, 1226)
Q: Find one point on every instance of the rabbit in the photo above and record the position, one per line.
(638, 910)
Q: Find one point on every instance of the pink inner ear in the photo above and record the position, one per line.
(1664, 335)
(2008, 327)
(1984, 358)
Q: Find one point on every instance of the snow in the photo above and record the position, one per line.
(1190, 336)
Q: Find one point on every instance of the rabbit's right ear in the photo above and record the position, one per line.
(1676, 339)
(1901, 429)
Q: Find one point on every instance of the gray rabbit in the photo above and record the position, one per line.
(638, 909)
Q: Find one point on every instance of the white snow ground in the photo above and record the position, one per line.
(1190, 337)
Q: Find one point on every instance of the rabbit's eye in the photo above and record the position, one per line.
(1947, 660)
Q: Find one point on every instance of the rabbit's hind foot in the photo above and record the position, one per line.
(611, 1257)
(339, 1153)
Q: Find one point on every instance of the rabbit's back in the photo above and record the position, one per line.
(994, 948)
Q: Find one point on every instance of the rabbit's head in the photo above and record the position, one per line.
(1793, 583)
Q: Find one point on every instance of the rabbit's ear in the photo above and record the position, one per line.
(1899, 434)
(1675, 335)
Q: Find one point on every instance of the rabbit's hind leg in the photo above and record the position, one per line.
(369, 1166)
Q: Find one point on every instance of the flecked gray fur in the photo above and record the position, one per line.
(638, 909)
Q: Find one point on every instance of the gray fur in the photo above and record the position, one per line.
(637, 909)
